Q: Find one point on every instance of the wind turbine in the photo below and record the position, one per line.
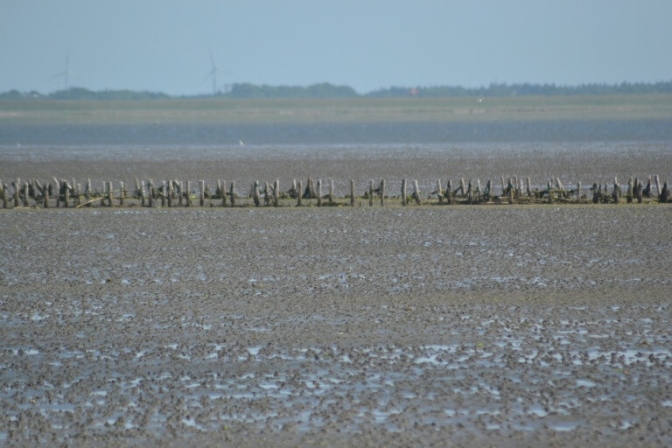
(66, 73)
(213, 74)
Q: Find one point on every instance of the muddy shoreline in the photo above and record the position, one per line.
(501, 326)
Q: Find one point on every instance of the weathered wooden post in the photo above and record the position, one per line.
(449, 192)
(478, 190)
(504, 192)
(66, 193)
(352, 192)
(256, 196)
(529, 187)
(439, 192)
(416, 192)
(463, 191)
(640, 192)
(110, 194)
(201, 198)
(233, 193)
(331, 192)
(188, 194)
(267, 194)
(276, 193)
(371, 193)
(663, 198)
(169, 192)
(17, 193)
(299, 196)
(163, 190)
(596, 194)
(658, 185)
(223, 192)
(616, 194)
(382, 193)
(578, 192)
(470, 193)
(403, 191)
(56, 188)
(45, 195)
(5, 202)
(319, 192)
(488, 191)
(549, 187)
(151, 193)
(25, 194)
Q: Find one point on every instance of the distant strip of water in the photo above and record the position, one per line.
(654, 130)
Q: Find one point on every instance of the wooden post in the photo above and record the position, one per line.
(664, 194)
(276, 193)
(110, 194)
(267, 194)
(403, 192)
(416, 192)
(331, 192)
(640, 192)
(202, 194)
(319, 192)
(299, 196)
(17, 193)
(164, 188)
(578, 192)
(188, 193)
(233, 193)
(463, 192)
(25, 194)
(470, 193)
(503, 187)
(596, 194)
(223, 192)
(371, 193)
(56, 189)
(488, 191)
(658, 185)
(143, 194)
(255, 194)
(549, 186)
(616, 194)
(45, 195)
(5, 202)
(439, 192)
(169, 192)
(66, 193)
(352, 192)
(529, 187)
(151, 193)
(382, 192)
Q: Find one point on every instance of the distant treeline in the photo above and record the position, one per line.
(326, 90)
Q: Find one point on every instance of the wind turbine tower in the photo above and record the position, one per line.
(213, 74)
(66, 73)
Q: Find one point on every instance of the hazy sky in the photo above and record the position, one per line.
(164, 45)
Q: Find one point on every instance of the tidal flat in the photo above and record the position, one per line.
(497, 325)
(506, 325)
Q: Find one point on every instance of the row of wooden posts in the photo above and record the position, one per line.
(173, 193)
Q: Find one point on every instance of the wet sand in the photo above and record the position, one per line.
(433, 326)
(468, 326)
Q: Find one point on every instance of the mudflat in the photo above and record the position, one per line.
(499, 325)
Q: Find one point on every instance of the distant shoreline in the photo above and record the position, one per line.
(338, 110)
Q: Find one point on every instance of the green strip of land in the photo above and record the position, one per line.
(350, 110)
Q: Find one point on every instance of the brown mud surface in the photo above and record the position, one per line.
(465, 326)
(337, 326)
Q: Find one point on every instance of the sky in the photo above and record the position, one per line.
(165, 45)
